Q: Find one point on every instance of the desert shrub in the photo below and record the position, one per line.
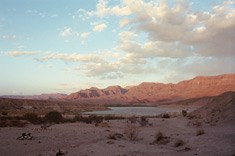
(197, 123)
(54, 116)
(160, 138)
(184, 113)
(166, 115)
(179, 142)
(4, 113)
(32, 118)
(115, 136)
(17, 123)
(80, 118)
(143, 121)
(200, 132)
(3, 123)
(96, 119)
(87, 120)
(133, 119)
(69, 120)
(113, 117)
(131, 132)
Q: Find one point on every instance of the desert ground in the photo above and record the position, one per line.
(110, 139)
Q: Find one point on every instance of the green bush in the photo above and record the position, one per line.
(32, 118)
(54, 116)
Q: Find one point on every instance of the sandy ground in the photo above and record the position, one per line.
(82, 139)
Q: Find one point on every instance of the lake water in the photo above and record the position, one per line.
(137, 111)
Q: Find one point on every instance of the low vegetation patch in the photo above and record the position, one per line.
(200, 132)
(179, 142)
(89, 119)
(113, 117)
(184, 113)
(131, 132)
(133, 119)
(54, 117)
(12, 123)
(166, 116)
(160, 138)
(115, 136)
(143, 121)
(32, 118)
(4, 113)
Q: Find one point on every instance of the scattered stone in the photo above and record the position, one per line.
(110, 142)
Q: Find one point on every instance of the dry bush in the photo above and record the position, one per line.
(160, 138)
(54, 117)
(113, 117)
(143, 121)
(115, 136)
(133, 119)
(4, 113)
(80, 118)
(12, 123)
(200, 132)
(32, 118)
(17, 123)
(131, 132)
(184, 113)
(166, 116)
(3, 123)
(179, 142)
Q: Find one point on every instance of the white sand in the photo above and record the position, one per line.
(82, 139)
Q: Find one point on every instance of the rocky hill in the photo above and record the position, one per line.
(149, 92)
(220, 109)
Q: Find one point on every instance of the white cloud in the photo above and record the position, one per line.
(85, 35)
(67, 32)
(102, 10)
(209, 33)
(99, 27)
(21, 53)
(178, 43)
(124, 22)
(76, 57)
(9, 37)
(101, 69)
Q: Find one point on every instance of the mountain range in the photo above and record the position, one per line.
(148, 92)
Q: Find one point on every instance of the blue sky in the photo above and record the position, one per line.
(53, 46)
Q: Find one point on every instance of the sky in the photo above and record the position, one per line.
(60, 46)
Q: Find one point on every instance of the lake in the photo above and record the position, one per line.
(137, 111)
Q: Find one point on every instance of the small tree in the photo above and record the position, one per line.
(54, 116)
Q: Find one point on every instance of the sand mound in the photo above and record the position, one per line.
(221, 109)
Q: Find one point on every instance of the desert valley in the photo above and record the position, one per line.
(117, 78)
(201, 120)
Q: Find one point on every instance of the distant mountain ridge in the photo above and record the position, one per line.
(55, 96)
(149, 92)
